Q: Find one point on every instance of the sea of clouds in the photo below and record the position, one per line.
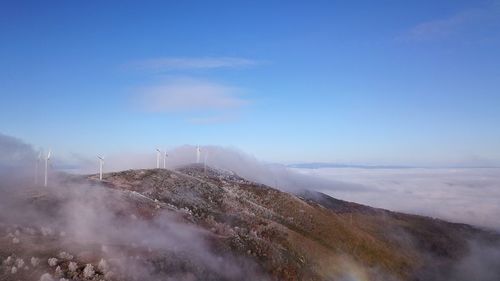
(466, 195)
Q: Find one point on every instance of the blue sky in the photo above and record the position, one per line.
(376, 82)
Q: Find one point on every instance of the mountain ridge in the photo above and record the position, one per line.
(259, 230)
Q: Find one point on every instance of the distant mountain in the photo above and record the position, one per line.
(250, 232)
(318, 165)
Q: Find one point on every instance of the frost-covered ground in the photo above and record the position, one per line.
(461, 195)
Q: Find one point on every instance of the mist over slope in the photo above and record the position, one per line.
(200, 223)
(204, 222)
(464, 195)
(460, 194)
(225, 158)
(467, 195)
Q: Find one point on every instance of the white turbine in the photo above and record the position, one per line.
(36, 167)
(101, 163)
(165, 159)
(158, 153)
(198, 153)
(47, 167)
(205, 162)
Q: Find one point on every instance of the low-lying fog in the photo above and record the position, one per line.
(460, 195)
(468, 195)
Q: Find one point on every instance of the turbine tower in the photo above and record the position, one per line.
(36, 167)
(158, 153)
(47, 167)
(101, 163)
(205, 163)
(198, 153)
(165, 159)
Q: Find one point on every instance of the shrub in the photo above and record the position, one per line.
(8, 261)
(72, 266)
(65, 256)
(19, 263)
(52, 261)
(88, 271)
(59, 272)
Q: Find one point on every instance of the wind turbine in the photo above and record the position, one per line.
(47, 167)
(158, 153)
(205, 163)
(198, 153)
(165, 159)
(101, 163)
(36, 167)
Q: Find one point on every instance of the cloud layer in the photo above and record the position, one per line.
(467, 195)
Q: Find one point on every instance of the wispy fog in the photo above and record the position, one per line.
(230, 159)
(468, 195)
(86, 217)
(14, 152)
(82, 216)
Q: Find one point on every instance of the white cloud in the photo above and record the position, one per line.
(177, 95)
(467, 195)
(179, 63)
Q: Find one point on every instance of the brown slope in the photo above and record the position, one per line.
(306, 236)
(293, 238)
